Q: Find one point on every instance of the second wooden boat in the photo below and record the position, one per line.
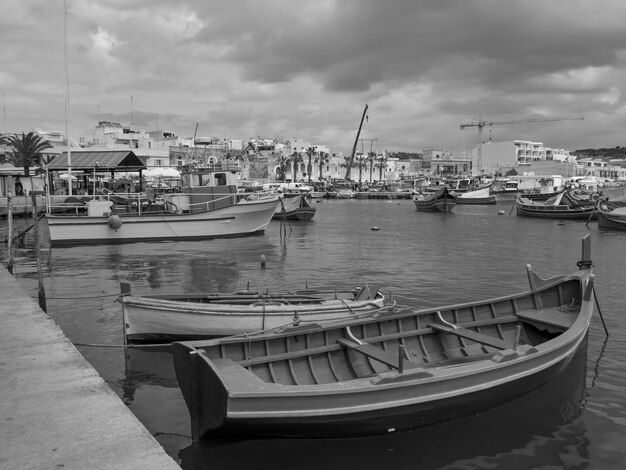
(390, 372)
(294, 208)
(479, 196)
(170, 317)
(611, 215)
(438, 201)
(565, 205)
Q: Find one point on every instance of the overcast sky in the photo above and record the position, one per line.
(306, 69)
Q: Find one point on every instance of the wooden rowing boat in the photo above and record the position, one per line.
(388, 373)
(170, 317)
(565, 205)
(440, 200)
(611, 215)
(479, 196)
(294, 208)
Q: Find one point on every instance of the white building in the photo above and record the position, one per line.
(513, 153)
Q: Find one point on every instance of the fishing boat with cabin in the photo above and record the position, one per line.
(207, 205)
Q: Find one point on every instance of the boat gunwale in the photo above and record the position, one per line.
(545, 285)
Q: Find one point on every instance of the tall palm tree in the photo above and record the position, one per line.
(322, 158)
(296, 158)
(24, 151)
(309, 167)
(370, 157)
(381, 164)
(361, 163)
(282, 166)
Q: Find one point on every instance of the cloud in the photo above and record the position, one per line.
(307, 68)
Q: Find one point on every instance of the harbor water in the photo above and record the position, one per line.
(420, 259)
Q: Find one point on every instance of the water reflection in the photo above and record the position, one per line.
(535, 430)
(147, 366)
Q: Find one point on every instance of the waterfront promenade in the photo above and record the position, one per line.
(56, 411)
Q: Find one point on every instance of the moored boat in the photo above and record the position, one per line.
(388, 373)
(439, 201)
(208, 206)
(565, 205)
(478, 196)
(294, 208)
(611, 215)
(169, 317)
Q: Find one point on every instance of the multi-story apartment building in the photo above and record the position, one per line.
(511, 153)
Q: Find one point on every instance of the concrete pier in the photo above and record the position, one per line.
(56, 411)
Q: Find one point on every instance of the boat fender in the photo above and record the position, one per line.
(114, 221)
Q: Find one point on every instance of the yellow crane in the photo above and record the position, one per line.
(482, 123)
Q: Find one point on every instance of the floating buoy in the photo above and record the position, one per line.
(500, 212)
(114, 221)
(262, 261)
(375, 228)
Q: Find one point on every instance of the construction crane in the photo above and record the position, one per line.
(482, 123)
(356, 141)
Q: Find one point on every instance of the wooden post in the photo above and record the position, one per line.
(10, 233)
(42, 292)
(194, 408)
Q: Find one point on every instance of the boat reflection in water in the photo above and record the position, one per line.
(541, 428)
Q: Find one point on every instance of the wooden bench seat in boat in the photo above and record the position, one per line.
(392, 360)
(554, 317)
(472, 335)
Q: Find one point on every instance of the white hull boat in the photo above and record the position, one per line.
(162, 318)
(207, 207)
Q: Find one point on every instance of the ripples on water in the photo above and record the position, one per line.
(423, 259)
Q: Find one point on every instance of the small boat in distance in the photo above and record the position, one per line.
(611, 215)
(391, 372)
(438, 201)
(207, 206)
(478, 196)
(170, 317)
(294, 208)
(565, 205)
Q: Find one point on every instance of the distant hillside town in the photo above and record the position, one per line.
(269, 159)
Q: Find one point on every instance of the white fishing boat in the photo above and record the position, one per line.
(478, 196)
(208, 206)
(169, 317)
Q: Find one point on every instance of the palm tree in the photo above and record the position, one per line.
(381, 164)
(309, 167)
(322, 158)
(296, 158)
(282, 166)
(361, 163)
(24, 151)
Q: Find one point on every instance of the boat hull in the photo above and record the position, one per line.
(555, 212)
(477, 200)
(611, 216)
(334, 416)
(555, 208)
(438, 201)
(294, 208)
(244, 218)
(149, 319)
